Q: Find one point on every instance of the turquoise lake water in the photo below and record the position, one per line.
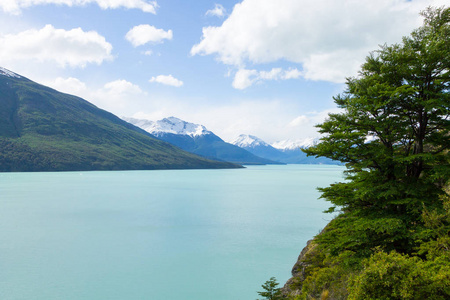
(163, 235)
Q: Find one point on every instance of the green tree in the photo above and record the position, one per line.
(271, 291)
(393, 136)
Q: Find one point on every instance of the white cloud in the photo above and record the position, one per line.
(300, 120)
(143, 34)
(118, 96)
(329, 39)
(121, 87)
(74, 48)
(15, 6)
(291, 74)
(69, 85)
(217, 11)
(245, 78)
(167, 80)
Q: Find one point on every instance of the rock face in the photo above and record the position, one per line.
(293, 286)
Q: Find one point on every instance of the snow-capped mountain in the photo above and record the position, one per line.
(8, 73)
(198, 140)
(289, 151)
(295, 144)
(258, 147)
(248, 141)
(169, 125)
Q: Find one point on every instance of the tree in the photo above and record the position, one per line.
(271, 290)
(393, 136)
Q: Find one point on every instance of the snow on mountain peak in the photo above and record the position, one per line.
(246, 141)
(295, 144)
(169, 125)
(8, 73)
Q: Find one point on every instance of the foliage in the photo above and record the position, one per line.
(271, 290)
(329, 276)
(393, 137)
(397, 276)
(391, 239)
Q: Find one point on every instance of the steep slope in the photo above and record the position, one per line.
(197, 139)
(45, 130)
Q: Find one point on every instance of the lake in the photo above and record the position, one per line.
(183, 234)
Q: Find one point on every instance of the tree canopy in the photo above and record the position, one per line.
(393, 136)
(391, 236)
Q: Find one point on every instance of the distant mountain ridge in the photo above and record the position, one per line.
(258, 147)
(197, 139)
(42, 129)
(169, 125)
(289, 151)
(249, 141)
(295, 144)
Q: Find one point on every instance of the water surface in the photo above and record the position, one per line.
(186, 234)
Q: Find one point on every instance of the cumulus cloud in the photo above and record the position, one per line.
(69, 85)
(299, 121)
(119, 96)
(245, 78)
(311, 119)
(121, 87)
(329, 39)
(15, 6)
(217, 11)
(143, 34)
(74, 48)
(167, 80)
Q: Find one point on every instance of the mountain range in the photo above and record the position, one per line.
(42, 129)
(245, 149)
(288, 151)
(197, 139)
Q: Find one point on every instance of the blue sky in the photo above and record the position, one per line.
(262, 67)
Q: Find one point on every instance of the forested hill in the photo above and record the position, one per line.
(44, 130)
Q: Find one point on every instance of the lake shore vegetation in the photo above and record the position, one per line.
(390, 238)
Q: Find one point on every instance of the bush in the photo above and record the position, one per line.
(397, 276)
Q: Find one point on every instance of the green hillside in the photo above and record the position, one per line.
(44, 130)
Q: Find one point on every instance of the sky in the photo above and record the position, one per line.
(269, 68)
